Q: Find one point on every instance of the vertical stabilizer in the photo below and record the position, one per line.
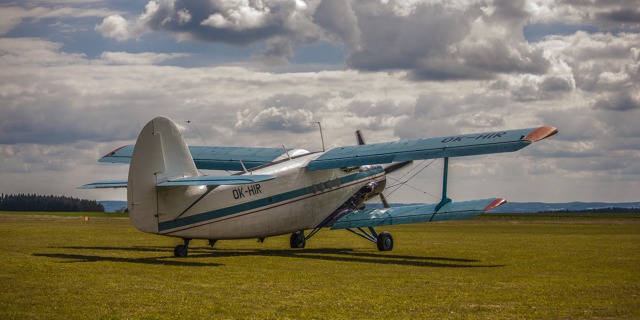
(160, 153)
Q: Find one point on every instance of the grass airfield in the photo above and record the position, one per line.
(495, 266)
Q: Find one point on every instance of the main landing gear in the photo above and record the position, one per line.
(297, 240)
(384, 240)
(182, 250)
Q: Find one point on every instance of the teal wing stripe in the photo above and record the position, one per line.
(205, 217)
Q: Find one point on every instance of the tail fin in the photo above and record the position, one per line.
(160, 154)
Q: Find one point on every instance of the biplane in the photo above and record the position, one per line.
(276, 191)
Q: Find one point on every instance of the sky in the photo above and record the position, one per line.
(79, 78)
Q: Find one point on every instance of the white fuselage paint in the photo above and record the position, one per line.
(295, 200)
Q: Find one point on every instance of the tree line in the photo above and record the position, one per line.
(596, 210)
(34, 202)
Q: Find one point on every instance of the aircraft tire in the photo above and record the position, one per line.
(180, 251)
(297, 240)
(385, 241)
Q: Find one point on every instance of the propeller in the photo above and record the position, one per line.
(387, 169)
(385, 204)
(360, 138)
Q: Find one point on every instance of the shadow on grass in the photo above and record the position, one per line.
(349, 255)
(332, 254)
(75, 258)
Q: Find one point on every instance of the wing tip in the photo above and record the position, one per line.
(495, 203)
(112, 153)
(541, 133)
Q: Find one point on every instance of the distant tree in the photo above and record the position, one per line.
(123, 210)
(596, 210)
(33, 202)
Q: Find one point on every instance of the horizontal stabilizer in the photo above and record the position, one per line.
(212, 158)
(189, 181)
(416, 213)
(105, 184)
(216, 180)
(432, 148)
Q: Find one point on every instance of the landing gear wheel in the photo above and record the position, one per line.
(385, 241)
(297, 240)
(180, 251)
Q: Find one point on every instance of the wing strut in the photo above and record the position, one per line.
(445, 178)
(373, 236)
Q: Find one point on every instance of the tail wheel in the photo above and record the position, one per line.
(385, 241)
(297, 240)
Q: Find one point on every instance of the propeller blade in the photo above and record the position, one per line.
(385, 204)
(396, 166)
(360, 138)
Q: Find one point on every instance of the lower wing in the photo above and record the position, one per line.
(416, 213)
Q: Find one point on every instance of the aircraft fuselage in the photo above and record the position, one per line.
(295, 200)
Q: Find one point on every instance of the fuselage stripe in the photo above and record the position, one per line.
(260, 204)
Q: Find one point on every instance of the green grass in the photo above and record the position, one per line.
(484, 268)
(66, 214)
(568, 216)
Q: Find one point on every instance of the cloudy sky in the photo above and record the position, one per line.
(79, 78)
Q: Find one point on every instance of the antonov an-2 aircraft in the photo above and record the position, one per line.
(280, 191)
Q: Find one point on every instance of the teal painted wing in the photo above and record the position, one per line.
(416, 213)
(217, 180)
(452, 146)
(212, 158)
(105, 184)
(188, 181)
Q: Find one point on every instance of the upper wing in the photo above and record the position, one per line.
(416, 213)
(213, 158)
(452, 146)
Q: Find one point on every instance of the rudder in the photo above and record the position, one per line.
(160, 153)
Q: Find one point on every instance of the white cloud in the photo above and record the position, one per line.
(238, 16)
(184, 16)
(15, 52)
(126, 58)
(276, 118)
(115, 26)
(10, 17)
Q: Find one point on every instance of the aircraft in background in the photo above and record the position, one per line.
(287, 191)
